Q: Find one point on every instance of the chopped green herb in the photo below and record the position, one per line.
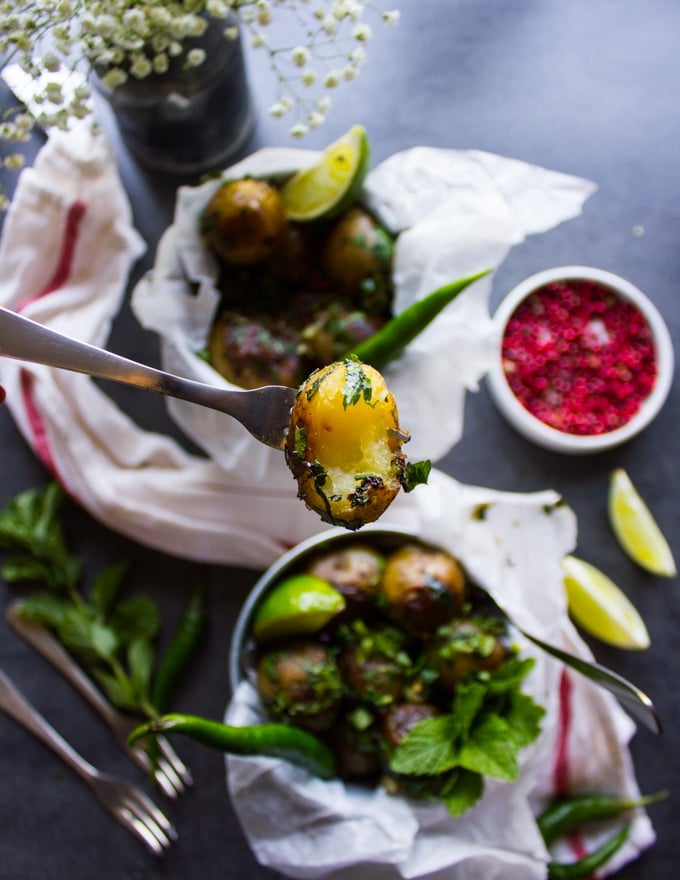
(415, 474)
(357, 383)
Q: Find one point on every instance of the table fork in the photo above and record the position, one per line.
(127, 803)
(637, 701)
(168, 770)
(264, 412)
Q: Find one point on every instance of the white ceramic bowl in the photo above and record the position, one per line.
(552, 438)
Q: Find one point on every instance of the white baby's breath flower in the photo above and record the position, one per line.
(300, 56)
(332, 79)
(141, 67)
(161, 63)
(217, 8)
(14, 161)
(140, 37)
(357, 56)
(195, 57)
(113, 78)
(51, 62)
(315, 119)
(278, 109)
(329, 25)
(362, 32)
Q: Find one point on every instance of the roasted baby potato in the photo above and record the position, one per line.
(466, 645)
(354, 571)
(356, 248)
(422, 588)
(344, 444)
(253, 351)
(244, 221)
(300, 683)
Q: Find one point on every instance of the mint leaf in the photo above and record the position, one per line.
(118, 690)
(510, 675)
(106, 587)
(468, 702)
(429, 747)
(85, 636)
(524, 717)
(24, 568)
(415, 474)
(490, 749)
(44, 608)
(135, 618)
(462, 791)
(140, 660)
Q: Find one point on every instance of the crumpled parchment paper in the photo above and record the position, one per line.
(455, 212)
(308, 828)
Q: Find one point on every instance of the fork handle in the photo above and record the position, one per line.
(40, 638)
(17, 707)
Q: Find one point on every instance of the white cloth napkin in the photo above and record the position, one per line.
(307, 828)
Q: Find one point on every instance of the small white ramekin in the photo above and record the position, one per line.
(551, 438)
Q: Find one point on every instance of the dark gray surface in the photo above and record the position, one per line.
(588, 87)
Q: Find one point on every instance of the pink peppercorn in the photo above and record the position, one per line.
(579, 357)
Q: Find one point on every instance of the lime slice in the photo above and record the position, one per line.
(601, 608)
(635, 527)
(302, 603)
(331, 185)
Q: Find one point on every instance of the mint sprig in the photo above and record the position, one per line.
(490, 721)
(112, 637)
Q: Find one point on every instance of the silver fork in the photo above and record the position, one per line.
(167, 770)
(265, 412)
(130, 806)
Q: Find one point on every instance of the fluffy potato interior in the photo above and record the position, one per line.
(344, 447)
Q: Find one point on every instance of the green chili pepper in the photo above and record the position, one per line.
(584, 867)
(396, 334)
(270, 740)
(181, 649)
(571, 812)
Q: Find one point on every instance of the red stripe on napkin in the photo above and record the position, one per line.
(564, 719)
(561, 767)
(69, 239)
(62, 273)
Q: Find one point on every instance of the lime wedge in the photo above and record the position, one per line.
(601, 608)
(331, 185)
(636, 529)
(299, 604)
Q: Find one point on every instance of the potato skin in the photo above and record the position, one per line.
(244, 221)
(251, 352)
(352, 250)
(422, 588)
(344, 444)
(355, 571)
